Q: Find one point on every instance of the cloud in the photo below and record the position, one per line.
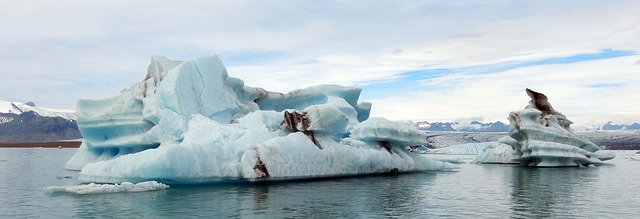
(589, 87)
(60, 51)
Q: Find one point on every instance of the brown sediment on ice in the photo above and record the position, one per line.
(541, 102)
(298, 122)
(55, 144)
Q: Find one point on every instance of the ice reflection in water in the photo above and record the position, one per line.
(373, 196)
(551, 192)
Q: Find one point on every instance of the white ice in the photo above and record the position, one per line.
(540, 136)
(93, 188)
(485, 152)
(189, 122)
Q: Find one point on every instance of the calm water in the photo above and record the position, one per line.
(474, 191)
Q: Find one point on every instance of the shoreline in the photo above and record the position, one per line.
(54, 144)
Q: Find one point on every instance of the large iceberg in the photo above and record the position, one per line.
(540, 136)
(189, 122)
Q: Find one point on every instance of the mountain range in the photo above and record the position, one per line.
(463, 125)
(473, 126)
(24, 122)
(614, 126)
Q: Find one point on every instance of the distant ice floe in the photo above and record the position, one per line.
(485, 152)
(462, 149)
(189, 122)
(632, 156)
(94, 188)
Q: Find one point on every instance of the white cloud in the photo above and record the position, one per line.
(572, 89)
(60, 51)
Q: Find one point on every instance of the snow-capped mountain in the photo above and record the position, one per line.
(473, 126)
(476, 126)
(24, 122)
(614, 126)
(435, 126)
(19, 108)
(614, 121)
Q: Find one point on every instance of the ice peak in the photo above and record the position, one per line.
(540, 102)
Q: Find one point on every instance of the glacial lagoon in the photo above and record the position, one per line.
(471, 191)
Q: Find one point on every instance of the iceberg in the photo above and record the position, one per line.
(541, 136)
(189, 122)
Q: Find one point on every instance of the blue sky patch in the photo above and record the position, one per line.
(410, 80)
(505, 66)
(407, 81)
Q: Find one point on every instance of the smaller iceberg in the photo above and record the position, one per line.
(540, 136)
(93, 188)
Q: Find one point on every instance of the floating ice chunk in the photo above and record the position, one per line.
(497, 153)
(604, 154)
(94, 188)
(540, 136)
(189, 122)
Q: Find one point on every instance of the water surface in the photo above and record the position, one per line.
(473, 191)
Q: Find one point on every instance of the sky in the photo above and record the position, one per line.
(414, 60)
